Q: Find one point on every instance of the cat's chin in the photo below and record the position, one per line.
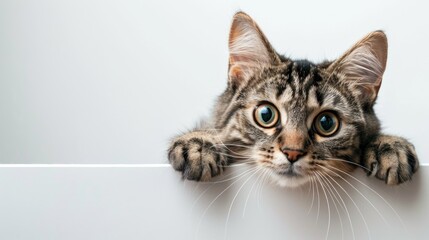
(290, 181)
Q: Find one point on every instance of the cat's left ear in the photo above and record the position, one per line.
(363, 65)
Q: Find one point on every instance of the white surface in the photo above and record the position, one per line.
(153, 203)
(92, 81)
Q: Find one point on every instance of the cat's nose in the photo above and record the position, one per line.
(293, 154)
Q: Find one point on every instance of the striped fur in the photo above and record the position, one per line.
(300, 90)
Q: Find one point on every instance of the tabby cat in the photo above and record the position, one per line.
(295, 119)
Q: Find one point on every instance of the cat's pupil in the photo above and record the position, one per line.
(266, 114)
(326, 122)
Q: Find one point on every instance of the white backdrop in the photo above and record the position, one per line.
(96, 81)
(92, 81)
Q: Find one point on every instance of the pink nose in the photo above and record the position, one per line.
(292, 155)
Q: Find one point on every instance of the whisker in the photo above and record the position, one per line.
(223, 144)
(318, 201)
(353, 163)
(309, 189)
(332, 195)
(228, 179)
(344, 204)
(259, 190)
(365, 185)
(312, 199)
(354, 203)
(238, 153)
(248, 195)
(220, 194)
(332, 187)
(327, 202)
(240, 163)
(360, 193)
(212, 184)
(234, 145)
(233, 200)
(233, 156)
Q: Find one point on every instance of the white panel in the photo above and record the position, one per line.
(153, 203)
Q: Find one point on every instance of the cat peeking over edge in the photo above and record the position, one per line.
(295, 119)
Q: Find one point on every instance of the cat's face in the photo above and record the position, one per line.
(300, 120)
(299, 123)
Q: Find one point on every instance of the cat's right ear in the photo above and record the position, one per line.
(249, 50)
(363, 65)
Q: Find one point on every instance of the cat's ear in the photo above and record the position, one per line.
(249, 50)
(363, 65)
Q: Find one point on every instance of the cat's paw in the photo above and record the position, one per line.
(392, 159)
(197, 156)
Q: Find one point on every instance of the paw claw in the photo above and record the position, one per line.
(391, 159)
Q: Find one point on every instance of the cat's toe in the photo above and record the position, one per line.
(198, 159)
(392, 160)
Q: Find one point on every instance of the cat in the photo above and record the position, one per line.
(295, 119)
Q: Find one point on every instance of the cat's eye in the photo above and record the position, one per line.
(326, 124)
(266, 115)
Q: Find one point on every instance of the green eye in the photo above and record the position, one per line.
(326, 124)
(266, 115)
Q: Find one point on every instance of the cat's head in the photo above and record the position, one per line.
(299, 120)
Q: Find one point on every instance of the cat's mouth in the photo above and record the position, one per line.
(289, 171)
(289, 175)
